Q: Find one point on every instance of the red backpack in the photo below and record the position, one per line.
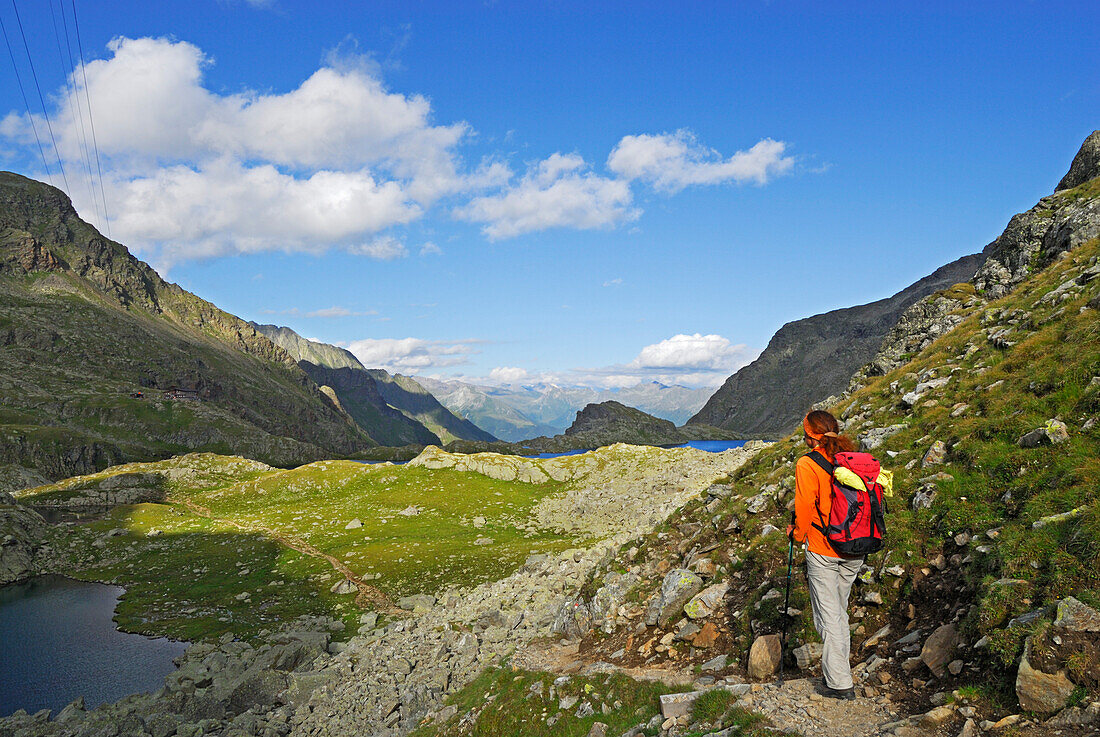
(857, 519)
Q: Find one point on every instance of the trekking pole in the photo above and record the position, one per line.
(786, 601)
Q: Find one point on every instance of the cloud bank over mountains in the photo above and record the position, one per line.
(689, 360)
(339, 162)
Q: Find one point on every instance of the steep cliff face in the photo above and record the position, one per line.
(808, 360)
(303, 349)
(407, 395)
(84, 326)
(358, 394)
(377, 394)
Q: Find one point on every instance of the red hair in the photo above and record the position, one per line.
(822, 428)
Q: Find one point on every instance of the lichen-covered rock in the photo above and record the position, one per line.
(612, 594)
(1076, 616)
(707, 601)
(677, 588)
(935, 455)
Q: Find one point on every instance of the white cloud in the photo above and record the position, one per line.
(193, 173)
(337, 311)
(671, 162)
(507, 375)
(613, 282)
(382, 248)
(410, 355)
(430, 249)
(694, 361)
(694, 352)
(335, 162)
(178, 212)
(559, 191)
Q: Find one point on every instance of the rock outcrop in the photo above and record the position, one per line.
(21, 533)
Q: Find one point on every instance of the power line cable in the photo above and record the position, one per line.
(26, 103)
(91, 119)
(83, 144)
(41, 99)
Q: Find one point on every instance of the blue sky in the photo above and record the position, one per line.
(524, 191)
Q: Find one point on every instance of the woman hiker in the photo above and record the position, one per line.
(829, 575)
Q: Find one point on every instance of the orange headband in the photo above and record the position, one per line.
(810, 431)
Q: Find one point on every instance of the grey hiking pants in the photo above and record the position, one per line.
(831, 582)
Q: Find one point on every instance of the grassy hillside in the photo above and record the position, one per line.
(984, 530)
(211, 545)
(84, 325)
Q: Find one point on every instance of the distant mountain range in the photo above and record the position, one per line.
(398, 409)
(516, 413)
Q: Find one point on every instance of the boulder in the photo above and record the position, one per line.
(938, 649)
(936, 717)
(715, 664)
(935, 455)
(344, 587)
(1053, 432)
(706, 637)
(573, 620)
(1075, 715)
(758, 503)
(764, 657)
(876, 436)
(417, 602)
(599, 729)
(612, 594)
(707, 601)
(676, 705)
(1076, 616)
(677, 589)
(1040, 692)
(355, 524)
(808, 654)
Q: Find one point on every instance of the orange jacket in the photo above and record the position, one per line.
(811, 494)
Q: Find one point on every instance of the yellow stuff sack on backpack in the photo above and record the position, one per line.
(850, 479)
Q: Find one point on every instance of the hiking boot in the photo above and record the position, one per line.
(844, 694)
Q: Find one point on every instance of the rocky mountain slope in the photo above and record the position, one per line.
(810, 359)
(85, 326)
(985, 403)
(517, 413)
(396, 409)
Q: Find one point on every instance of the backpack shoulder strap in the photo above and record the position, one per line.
(822, 461)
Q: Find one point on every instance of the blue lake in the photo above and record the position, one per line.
(59, 642)
(711, 446)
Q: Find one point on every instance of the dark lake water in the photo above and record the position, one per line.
(58, 641)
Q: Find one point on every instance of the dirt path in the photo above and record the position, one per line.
(369, 597)
(794, 706)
